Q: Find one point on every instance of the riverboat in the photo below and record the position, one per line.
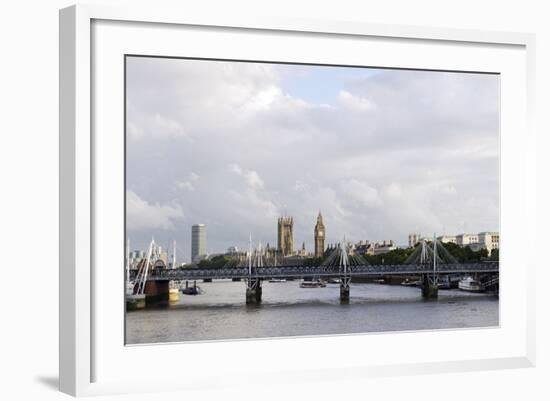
(173, 295)
(312, 284)
(130, 288)
(194, 290)
(191, 291)
(444, 283)
(470, 284)
(410, 283)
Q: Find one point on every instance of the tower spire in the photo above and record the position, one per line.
(319, 236)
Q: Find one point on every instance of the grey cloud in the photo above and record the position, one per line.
(398, 151)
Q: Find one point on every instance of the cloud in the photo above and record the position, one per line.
(141, 125)
(142, 215)
(362, 192)
(264, 99)
(234, 145)
(185, 185)
(353, 102)
(251, 177)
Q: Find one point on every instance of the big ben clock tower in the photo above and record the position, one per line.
(319, 236)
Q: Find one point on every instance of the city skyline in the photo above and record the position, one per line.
(198, 243)
(383, 153)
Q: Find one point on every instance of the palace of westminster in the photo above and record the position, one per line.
(285, 238)
(285, 242)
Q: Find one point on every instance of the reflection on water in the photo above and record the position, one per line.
(220, 312)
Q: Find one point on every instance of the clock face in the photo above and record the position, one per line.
(321, 232)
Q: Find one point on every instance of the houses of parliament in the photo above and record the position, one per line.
(285, 237)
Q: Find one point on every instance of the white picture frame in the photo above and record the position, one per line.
(81, 347)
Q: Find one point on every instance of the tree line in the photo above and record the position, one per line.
(395, 257)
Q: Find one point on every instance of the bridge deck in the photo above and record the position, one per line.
(265, 273)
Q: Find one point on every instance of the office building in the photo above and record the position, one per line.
(198, 242)
(466, 239)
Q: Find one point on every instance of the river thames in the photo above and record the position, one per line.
(220, 312)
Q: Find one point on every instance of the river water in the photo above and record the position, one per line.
(220, 312)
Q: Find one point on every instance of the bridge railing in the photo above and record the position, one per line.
(319, 271)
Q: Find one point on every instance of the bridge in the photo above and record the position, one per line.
(428, 262)
(305, 272)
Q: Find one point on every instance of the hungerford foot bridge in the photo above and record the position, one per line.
(429, 262)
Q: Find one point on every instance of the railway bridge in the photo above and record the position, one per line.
(427, 262)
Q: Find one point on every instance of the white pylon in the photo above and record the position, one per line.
(143, 279)
(174, 255)
(250, 255)
(435, 254)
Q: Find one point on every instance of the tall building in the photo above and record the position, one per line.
(489, 240)
(303, 251)
(466, 239)
(285, 240)
(382, 247)
(319, 237)
(198, 241)
(445, 239)
(413, 239)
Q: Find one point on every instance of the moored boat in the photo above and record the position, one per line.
(444, 283)
(409, 283)
(470, 284)
(173, 295)
(194, 290)
(312, 284)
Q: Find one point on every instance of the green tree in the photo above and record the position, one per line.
(215, 262)
(313, 261)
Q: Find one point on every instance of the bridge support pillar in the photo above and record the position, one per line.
(254, 292)
(344, 293)
(157, 292)
(429, 287)
(344, 289)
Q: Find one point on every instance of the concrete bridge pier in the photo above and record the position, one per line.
(344, 289)
(344, 293)
(429, 287)
(157, 292)
(254, 292)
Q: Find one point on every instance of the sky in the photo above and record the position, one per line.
(381, 153)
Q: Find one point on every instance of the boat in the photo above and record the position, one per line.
(191, 291)
(278, 280)
(173, 295)
(312, 284)
(410, 283)
(194, 290)
(444, 283)
(334, 281)
(129, 288)
(470, 284)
